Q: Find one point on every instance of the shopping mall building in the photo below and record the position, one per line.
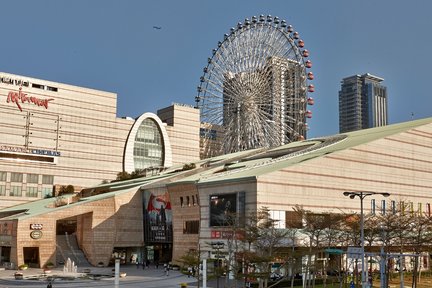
(181, 202)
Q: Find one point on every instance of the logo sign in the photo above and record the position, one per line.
(36, 226)
(36, 234)
(19, 97)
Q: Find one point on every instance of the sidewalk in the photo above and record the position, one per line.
(134, 276)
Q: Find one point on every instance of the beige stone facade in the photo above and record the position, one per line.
(396, 159)
(56, 134)
(61, 134)
(183, 130)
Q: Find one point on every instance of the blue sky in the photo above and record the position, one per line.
(112, 46)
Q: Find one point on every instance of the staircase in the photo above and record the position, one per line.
(67, 247)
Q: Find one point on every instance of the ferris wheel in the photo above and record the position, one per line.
(254, 90)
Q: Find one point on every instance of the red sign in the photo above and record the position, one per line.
(20, 97)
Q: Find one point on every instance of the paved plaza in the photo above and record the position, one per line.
(149, 277)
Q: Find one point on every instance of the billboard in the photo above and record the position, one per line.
(223, 209)
(157, 218)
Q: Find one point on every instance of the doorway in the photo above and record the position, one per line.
(31, 256)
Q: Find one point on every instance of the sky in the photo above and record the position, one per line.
(111, 45)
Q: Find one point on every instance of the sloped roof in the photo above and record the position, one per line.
(293, 153)
(225, 168)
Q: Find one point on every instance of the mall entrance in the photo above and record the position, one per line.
(31, 256)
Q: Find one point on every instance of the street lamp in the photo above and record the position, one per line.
(362, 195)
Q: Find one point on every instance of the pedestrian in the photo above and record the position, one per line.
(143, 264)
(157, 264)
(189, 272)
(49, 285)
(137, 263)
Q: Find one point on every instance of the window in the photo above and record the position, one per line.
(181, 202)
(191, 227)
(32, 192)
(16, 177)
(419, 209)
(2, 190)
(193, 200)
(393, 207)
(383, 207)
(47, 179)
(32, 178)
(402, 208)
(279, 219)
(187, 200)
(373, 206)
(47, 192)
(3, 176)
(15, 191)
(428, 209)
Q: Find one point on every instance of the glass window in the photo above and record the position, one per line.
(279, 218)
(32, 178)
(373, 206)
(181, 202)
(3, 176)
(47, 192)
(383, 207)
(187, 200)
(32, 192)
(15, 191)
(393, 207)
(148, 146)
(2, 190)
(191, 227)
(47, 179)
(16, 177)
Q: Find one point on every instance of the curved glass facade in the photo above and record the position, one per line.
(148, 145)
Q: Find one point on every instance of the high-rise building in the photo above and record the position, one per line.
(362, 103)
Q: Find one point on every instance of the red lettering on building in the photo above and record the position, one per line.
(20, 97)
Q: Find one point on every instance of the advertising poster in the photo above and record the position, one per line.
(222, 208)
(157, 218)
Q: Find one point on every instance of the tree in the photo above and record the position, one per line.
(253, 244)
(69, 189)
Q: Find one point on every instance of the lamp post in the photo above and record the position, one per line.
(362, 195)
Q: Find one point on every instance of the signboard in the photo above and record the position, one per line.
(19, 98)
(36, 226)
(157, 218)
(354, 252)
(36, 234)
(29, 151)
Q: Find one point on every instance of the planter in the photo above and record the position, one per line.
(19, 276)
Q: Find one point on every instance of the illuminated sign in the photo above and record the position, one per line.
(20, 97)
(29, 151)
